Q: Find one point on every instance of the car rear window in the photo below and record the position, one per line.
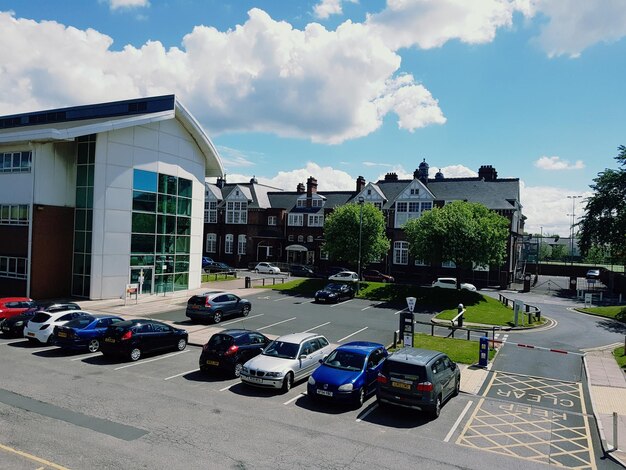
(220, 342)
(40, 317)
(197, 300)
(80, 322)
(404, 370)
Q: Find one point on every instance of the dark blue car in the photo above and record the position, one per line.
(348, 374)
(84, 332)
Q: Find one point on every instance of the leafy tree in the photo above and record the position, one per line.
(597, 254)
(341, 234)
(545, 251)
(463, 232)
(559, 252)
(604, 222)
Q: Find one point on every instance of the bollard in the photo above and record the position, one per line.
(460, 312)
(483, 352)
(248, 282)
(614, 430)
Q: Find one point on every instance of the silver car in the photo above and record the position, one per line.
(286, 360)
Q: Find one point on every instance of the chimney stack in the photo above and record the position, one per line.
(221, 182)
(487, 173)
(360, 184)
(300, 189)
(391, 177)
(311, 187)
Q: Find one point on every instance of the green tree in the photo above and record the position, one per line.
(341, 234)
(597, 254)
(464, 232)
(604, 221)
(559, 252)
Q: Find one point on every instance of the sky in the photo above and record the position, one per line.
(337, 89)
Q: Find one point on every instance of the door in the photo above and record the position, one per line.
(136, 274)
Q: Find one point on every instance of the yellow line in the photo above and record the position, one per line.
(493, 377)
(469, 421)
(592, 459)
(32, 457)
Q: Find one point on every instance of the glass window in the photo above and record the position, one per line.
(142, 243)
(165, 244)
(167, 184)
(182, 264)
(144, 201)
(143, 223)
(184, 187)
(183, 226)
(145, 181)
(228, 243)
(210, 212)
(184, 206)
(295, 219)
(241, 245)
(182, 244)
(211, 243)
(401, 253)
(166, 224)
(166, 204)
(271, 220)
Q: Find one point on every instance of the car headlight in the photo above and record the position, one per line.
(332, 295)
(311, 380)
(245, 370)
(273, 374)
(19, 323)
(345, 388)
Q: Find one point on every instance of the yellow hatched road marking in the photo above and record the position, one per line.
(584, 410)
(32, 457)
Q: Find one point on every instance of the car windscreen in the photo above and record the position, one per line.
(333, 287)
(345, 360)
(197, 300)
(80, 322)
(40, 317)
(282, 349)
(220, 342)
(404, 370)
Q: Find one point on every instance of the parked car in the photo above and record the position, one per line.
(334, 292)
(334, 270)
(14, 326)
(301, 271)
(419, 379)
(286, 360)
(593, 274)
(450, 283)
(84, 332)
(374, 275)
(40, 328)
(344, 276)
(230, 349)
(217, 267)
(215, 305)
(349, 373)
(205, 261)
(134, 338)
(266, 268)
(11, 306)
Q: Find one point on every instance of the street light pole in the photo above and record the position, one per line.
(358, 282)
(573, 214)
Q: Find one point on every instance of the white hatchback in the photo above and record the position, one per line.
(267, 268)
(346, 276)
(41, 326)
(450, 283)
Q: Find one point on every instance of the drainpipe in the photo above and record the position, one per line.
(31, 217)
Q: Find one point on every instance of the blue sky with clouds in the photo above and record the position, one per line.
(340, 88)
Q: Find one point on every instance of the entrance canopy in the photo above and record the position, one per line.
(296, 248)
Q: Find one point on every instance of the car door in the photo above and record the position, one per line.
(442, 377)
(374, 362)
(99, 328)
(145, 337)
(232, 304)
(255, 345)
(306, 358)
(450, 374)
(163, 336)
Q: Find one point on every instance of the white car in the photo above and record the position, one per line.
(450, 283)
(41, 326)
(346, 276)
(267, 268)
(286, 360)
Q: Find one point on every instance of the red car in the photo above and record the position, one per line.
(376, 276)
(11, 306)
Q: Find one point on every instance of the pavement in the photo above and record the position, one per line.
(607, 382)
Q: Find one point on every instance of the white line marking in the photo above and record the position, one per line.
(182, 373)
(36, 350)
(285, 298)
(86, 357)
(151, 360)
(458, 421)
(365, 415)
(22, 340)
(226, 388)
(240, 319)
(400, 311)
(277, 323)
(356, 332)
(341, 303)
(316, 327)
(294, 398)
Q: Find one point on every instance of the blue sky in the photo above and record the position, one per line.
(340, 88)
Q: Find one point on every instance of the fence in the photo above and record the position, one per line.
(533, 312)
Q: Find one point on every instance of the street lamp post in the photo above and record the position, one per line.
(573, 214)
(358, 282)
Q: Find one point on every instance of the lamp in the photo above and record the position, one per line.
(358, 282)
(573, 214)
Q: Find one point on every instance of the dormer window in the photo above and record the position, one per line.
(236, 212)
(415, 191)
(369, 192)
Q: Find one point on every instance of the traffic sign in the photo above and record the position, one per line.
(410, 301)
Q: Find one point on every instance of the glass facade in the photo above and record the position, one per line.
(161, 229)
(83, 215)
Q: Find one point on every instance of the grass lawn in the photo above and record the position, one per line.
(487, 311)
(620, 357)
(459, 350)
(617, 312)
(217, 277)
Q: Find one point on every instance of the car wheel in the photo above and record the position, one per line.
(217, 317)
(436, 409)
(135, 354)
(245, 310)
(50, 340)
(32, 341)
(457, 387)
(93, 345)
(182, 344)
(237, 369)
(288, 382)
(360, 399)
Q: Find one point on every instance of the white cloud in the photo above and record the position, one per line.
(127, 4)
(326, 8)
(450, 171)
(234, 158)
(556, 163)
(389, 165)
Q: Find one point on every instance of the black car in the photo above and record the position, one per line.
(133, 338)
(301, 271)
(217, 267)
(229, 350)
(14, 327)
(334, 292)
(215, 305)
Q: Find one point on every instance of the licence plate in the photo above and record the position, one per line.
(109, 340)
(5, 328)
(324, 392)
(401, 385)
(212, 363)
(30, 334)
(62, 334)
(255, 380)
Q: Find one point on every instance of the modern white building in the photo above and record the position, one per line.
(95, 197)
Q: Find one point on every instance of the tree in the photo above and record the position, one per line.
(559, 253)
(597, 255)
(464, 232)
(604, 221)
(341, 234)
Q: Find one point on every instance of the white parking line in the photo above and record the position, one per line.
(400, 311)
(365, 415)
(316, 327)
(277, 323)
(342, 303)
(356, 332)
(182, 373)
(370, 306)
(242, 319)
(226, 388)
(86, 357)
(294, 398)
(36, 350)
(286, 298)
(13, 342)
(151, 360)
(458, 421)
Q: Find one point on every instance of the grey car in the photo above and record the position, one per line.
(286, 360)
(419, 379)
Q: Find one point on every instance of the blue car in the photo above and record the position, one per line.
(348, 374)
(84, 332)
